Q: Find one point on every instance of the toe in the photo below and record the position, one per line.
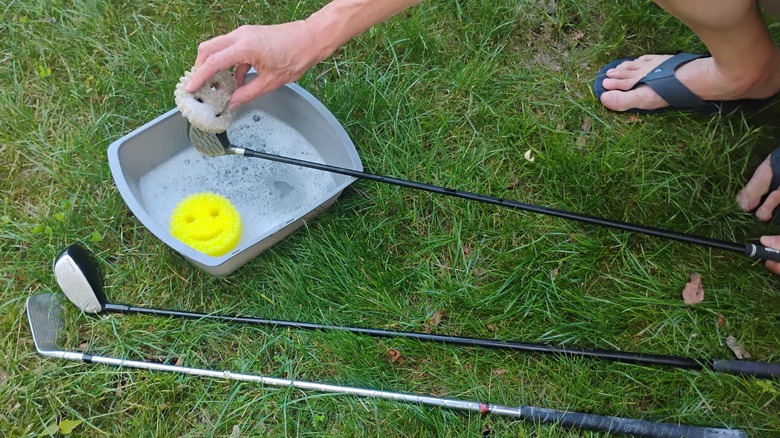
(764, 213)
(618, 84)
(750, 196)
(640, 98)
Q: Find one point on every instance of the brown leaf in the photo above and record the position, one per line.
(693, 293)
(467, 249)
(633, 118)
(577, 35)
(555, 272)
(721, 321)
(586, 124)
(436, 318)
(499, 371)
(492, 327)
(738, 350)
(84, 345)
(515, 184)
(395, 356)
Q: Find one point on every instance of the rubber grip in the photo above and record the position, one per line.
(762, 252)
(625, 426)
(766, 370)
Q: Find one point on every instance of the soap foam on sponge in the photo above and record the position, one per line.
(206, 222)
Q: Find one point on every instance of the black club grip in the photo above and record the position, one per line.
(762, 252)
(766, 370)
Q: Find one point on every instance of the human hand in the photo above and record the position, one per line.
(280, 53)
(772, 242)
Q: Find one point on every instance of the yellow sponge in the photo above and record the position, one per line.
(207, 222)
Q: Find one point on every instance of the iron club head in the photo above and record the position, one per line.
(45, 316)
(210, 145)
(79, 278)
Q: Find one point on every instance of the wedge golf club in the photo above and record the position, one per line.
(213, 145)
(46, 322)
(80, 280)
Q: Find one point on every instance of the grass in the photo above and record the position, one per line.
(449, 93)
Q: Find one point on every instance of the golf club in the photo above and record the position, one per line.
(46, 322)
(80, 280)
(213, 145)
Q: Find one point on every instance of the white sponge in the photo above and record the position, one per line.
(206, 108)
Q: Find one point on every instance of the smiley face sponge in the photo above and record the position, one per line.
(206, 222)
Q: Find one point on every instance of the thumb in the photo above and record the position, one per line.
(771, 241)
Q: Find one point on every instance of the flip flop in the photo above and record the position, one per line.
(680, 98)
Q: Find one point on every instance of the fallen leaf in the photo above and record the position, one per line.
(395, 356)
(577, 35)
(467, 249)
(499, 371)
(528, 155)
(721, 321)
(435, 319)
(236, 433)
(738, 350)
(515, 184)
(67, 426)
(555, 272)
(693, 293)
(164, 406)
(586, 124)
(84, 345)
(492, 327)
(633, 118)
(487, 430)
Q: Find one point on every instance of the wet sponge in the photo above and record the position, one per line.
(206, 108)
(206, 222)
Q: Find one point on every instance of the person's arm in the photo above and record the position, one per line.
(342, 20)
(282, 53)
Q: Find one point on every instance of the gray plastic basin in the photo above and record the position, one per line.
(163, 141)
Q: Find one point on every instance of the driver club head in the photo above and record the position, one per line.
(208, 144)
(45, 316)
(79, 278)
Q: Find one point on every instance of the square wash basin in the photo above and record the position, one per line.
(155, 167)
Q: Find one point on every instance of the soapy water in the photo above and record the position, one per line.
(265, 193)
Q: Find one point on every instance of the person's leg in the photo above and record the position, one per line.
(745, 62)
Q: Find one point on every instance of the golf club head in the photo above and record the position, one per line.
(79, 278)
(45, 315)
(208, 144)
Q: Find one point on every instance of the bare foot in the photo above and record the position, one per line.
(702, 76)
(750, 196)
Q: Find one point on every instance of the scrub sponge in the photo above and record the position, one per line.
(206, 108)
(207, 222)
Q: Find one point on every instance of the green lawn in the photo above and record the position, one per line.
(451, 93)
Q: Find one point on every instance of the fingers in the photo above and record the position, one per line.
(213, 56)
(772, 242)
(261, 84)
(240, 72)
